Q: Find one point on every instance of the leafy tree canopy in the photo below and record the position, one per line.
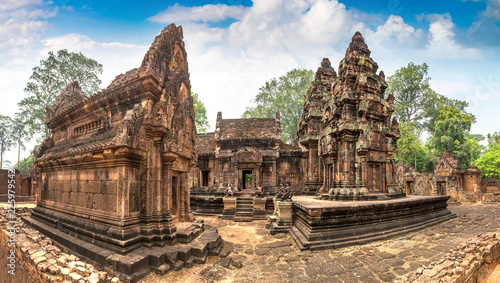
(49, 79)
(285, 95)
(6, 140)
(409, 85)
(409, 145)
(489, 162)
(200, 114)
(24, 165)
(451, 133)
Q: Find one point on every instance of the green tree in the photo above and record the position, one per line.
(24, 165)
(450, 133)
(489, 162)
(285, 95)
(5, 136)
(49, 79)
(19, 134)
(433, 104)
(493, 140)
(410, 86)
(200, 114)
(409, 145)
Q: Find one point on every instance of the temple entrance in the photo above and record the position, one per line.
(247, 179)
(409, 188)
(175, 197)
(204, 182)
(441, 189)
(375, 177)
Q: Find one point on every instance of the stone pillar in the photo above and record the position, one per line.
(183, 188)
(167, 159)
(313, 160)
(166, 194)
(274, 176)
(236, 174)
(257, 175)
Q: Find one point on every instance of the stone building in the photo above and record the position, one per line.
(114, 171)
(344, 150)
(346, 138)
(246, 152)
(448, 179)
(348, 128)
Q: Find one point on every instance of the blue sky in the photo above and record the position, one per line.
(235, 46)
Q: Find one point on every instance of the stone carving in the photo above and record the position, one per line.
(122, 160)
(70, 96)
(284, 192)
(229, 191)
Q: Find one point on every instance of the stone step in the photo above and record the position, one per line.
(243, 219)
(244, 210)
(243, 213)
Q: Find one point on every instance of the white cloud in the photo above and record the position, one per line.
(492, 10)
(229, 64)
(206, 13)
(442, 43)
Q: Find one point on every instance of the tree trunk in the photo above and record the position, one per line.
(18, 150)
(1, 155)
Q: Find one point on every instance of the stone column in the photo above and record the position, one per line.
(166, 188)
(166, 194)
(274, 176)
(182, 196)
(313, 159)
(236, 174)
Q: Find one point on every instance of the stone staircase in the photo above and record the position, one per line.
(244, 209)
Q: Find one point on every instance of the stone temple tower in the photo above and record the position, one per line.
(357, 137)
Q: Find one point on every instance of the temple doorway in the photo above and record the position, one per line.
(441, 189)
(205, 178)
(247, 179)
(375, 177)
(175, 197)
(409, 187)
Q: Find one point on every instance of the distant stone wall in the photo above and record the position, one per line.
(22, 185)
(490, 185)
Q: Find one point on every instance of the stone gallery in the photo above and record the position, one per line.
(114, 172)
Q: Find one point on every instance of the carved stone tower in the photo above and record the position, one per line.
(357, 141)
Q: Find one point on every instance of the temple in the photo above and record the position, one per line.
(357, 135)
(114, 171)
(346, 140)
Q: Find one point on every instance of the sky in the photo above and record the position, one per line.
(235, 46)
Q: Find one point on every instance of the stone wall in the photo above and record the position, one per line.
(470, 262)
(22, 185)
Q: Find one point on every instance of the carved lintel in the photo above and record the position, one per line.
(167, 157)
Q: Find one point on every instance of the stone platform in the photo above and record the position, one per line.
(321, 224)
(192, 243)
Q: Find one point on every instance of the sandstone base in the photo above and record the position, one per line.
(320, 224)
(196, 242)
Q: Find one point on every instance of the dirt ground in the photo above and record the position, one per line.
(267, 258)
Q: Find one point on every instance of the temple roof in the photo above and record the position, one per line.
(205, 143)
(249, 128)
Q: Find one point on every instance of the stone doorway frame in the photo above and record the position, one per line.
(244, 173)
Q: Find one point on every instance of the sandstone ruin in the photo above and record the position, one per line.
(114, 172)
(345, 151)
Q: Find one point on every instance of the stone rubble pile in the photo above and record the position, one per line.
(463, 263)
(43, 260)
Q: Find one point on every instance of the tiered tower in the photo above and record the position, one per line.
(357, 140)
(309, 126)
